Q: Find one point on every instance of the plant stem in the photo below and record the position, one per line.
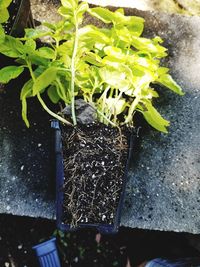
(109, 121)
(103, 96)
(30, 70)
(132, 108)
(73, 72)
(51, 112)
(42, 102)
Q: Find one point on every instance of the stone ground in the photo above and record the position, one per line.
(189, 7)
(26, 180)
(164, 187)
(163, 191)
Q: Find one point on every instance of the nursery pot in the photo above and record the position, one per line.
(20, 17)
(62, 182)
(47, 254)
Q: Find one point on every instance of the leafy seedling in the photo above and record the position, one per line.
(111, 67)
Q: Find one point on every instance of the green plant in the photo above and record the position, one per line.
(4, 14)
(112, 68)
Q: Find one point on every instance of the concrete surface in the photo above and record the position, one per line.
(26, 175)
(188, 7)
(163, 191)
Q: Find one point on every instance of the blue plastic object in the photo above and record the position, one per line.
(184, 262)
(102, 228)
(47, 254)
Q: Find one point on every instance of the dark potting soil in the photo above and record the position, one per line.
(13, 9)
(94, 163)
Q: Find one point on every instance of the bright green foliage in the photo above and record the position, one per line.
(10, 72)
(112, 68)
(4, 15)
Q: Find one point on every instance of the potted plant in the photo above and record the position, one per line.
(107, 72)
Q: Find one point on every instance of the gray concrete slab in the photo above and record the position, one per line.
(163, 191)
(26, 174)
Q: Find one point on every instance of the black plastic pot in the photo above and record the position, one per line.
(102, 228)
(20, 18)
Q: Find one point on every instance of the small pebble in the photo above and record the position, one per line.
(20, 246)
(22, 167)
(103, 217)
(39, 145)
(76, 259)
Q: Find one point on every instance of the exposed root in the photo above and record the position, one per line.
(94, 167)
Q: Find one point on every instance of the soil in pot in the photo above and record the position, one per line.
(94, 164)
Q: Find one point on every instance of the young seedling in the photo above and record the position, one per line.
(112, 68)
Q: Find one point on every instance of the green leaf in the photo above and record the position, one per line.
(149, 93)
(51, 26)
(68, 10)
(147, 45)
(38, 60)
(133, 24)
(115, 106)
(5, 3)
(116, 77)
(44, 80)
(153, 117)
(9, 73)
(144, 63)
(46, 52)
(136, 28)
(26, 92)
(113, 61)
(65, 12)
(30, 45)
(93, 59)
(120, 10)
(66, 4)
(53, 94)
(2, 34)
(4, 15)
(113, 51)
(69, 3)
(35, 33)
(82, 8)
(123, 34)
(12, 47)
(162, 70)
(169, 82)
(103, 14)
(93, 33)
